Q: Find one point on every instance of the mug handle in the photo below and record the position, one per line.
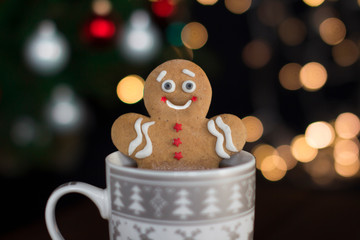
(97, 195)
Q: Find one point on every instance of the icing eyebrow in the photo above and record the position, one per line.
(188, 72)
(161, 76)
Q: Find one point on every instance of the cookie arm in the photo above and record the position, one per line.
(232, 130)
(126, 132)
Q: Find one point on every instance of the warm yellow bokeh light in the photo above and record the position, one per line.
(313, 3)
(256, 54)
(346, 152)
(101, 7)
(347, 170)
(302, 151)
(262, 151)
(347, 125)
(292, 31)
(313, 76)
(254, 128)
(319, 135)
(238, 6)
(130, 89)
(284, 152)
(273, 168)
(207, 2)
(289, 76)
(332, 31)
(194, 35)
(345, 53)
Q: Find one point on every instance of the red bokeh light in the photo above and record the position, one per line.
(102, 28)
(163, 8)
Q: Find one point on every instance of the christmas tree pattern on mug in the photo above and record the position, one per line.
(177, 135)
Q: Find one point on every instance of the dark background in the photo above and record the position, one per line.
(292, 208)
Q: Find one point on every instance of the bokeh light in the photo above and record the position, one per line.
(130, 89)
(301, 150)
(321, 14)
(319, 135)
(140, 40)
(292, 31)
(284, 152)
(101, 7)
(47, 51)
(238, 6)
(163, 8)
(332, 31)
(313, 76)
(271, 12)
(345, 53)
(261, 151)
(102, 28)
(347, 125)
(347, 170)
(346, 152)
(256, 54)
(207, 2)
(194, 35)
(289, 76)
(313, 3)
(254, 128)
(273, 168)
(65, 112)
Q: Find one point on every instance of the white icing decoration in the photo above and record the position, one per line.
(177, 107)
(188, 72)
(220, 140)
(228, 138)
(147, 150)
(161, 76)
(137, 141)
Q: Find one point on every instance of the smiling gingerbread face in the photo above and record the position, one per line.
(177, 135)
(177, 89)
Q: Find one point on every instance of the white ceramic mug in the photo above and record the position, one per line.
(142, 204)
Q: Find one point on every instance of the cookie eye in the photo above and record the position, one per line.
(189, 86)
(168, 86)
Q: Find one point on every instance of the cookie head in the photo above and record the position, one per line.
(177, 87)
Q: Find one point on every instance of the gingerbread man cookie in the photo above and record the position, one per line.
(177, 135)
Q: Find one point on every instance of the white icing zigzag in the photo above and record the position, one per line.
(229, 143)
(147, 151)
(219, 142)
(137, 141)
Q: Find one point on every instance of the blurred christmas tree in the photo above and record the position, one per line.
(288, 64)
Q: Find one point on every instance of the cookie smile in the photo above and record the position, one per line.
(178, 107)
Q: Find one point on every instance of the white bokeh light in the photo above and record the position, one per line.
(46, 51)
(140, 40)
(65, 111)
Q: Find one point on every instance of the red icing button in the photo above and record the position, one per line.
(177, 127)
(177, 142)
(163, 99)
(178, 155)
(194, 98)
